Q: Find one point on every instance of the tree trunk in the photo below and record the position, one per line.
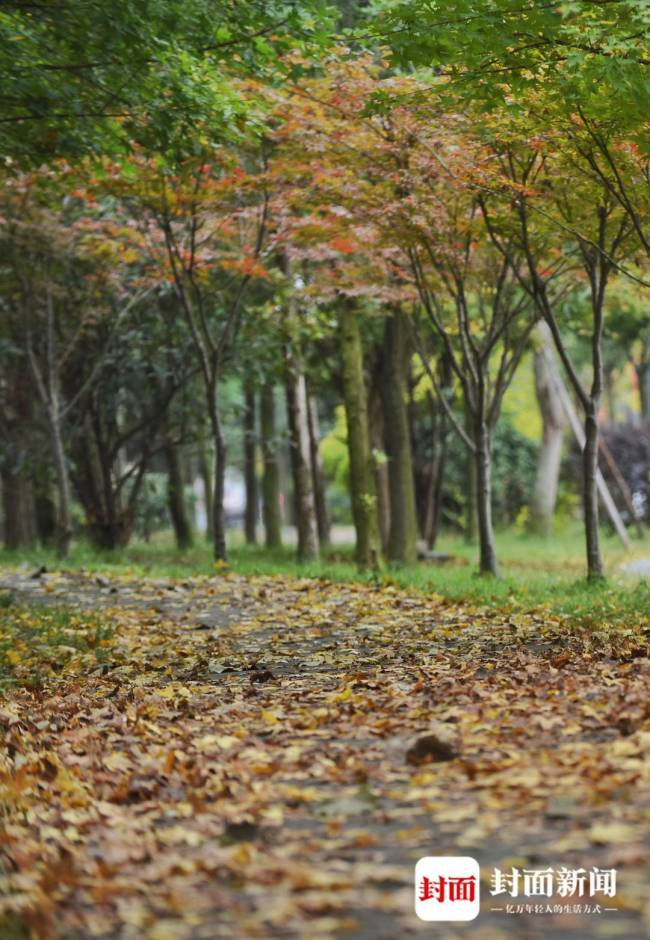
(435, 477)
(488, 557)
(109, 524)
(16, 458)
(320, 488)
(608, 379)
(471, 487)
(364, 500)
(380, 464)
(220, 550)
(18, 507)
(439, 433)
(643, 379)
(176, 496)
(188, 470)
(402, 538)
(590, 495)
(298, 422)
(542, 507)
(64, 516)
(206, 479)
(299, 446)
(271, 478)
(45, 507)
(250, 469)
(296, 389)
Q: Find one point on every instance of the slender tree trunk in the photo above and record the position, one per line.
(433, 510)
(488, 557)
(320, 487)
(591, 405)
(176, 496)
(250, 469)
(64, 515)
(188, 469)
(439, 433)
(49, 392)
(598, 274)
(44, 507)
(19, 514)
(301, 463)
(471, 488)
(608, 379)
(271, 478)
(542, 507)
(298, 422)
(364, 500)
(220, 550)
(380, 463)
(434, 527)
(590, 495)
(18, 508)
(402, 538)
(205, 473)
(643, 378)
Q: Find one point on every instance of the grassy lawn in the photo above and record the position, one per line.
(537, 572)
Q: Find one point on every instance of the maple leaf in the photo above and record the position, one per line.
(343, 244)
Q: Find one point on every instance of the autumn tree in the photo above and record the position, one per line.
(206, 223)
(67, 291)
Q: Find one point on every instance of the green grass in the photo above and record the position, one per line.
(39, 643)
(537, 572)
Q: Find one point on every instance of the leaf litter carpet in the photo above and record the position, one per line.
(242, 758)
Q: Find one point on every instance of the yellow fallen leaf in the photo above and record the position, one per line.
(168, 930)
(117, 760)
(209, 741)
(612, 833)
(343, 696)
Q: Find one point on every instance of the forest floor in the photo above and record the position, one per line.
(233, 757)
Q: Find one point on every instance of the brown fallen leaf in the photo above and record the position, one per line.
(440, 744)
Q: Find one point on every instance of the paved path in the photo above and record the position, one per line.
(258, 730)
(640, 566)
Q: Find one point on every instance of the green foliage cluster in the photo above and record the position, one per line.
(94, 77)
(591, 55)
